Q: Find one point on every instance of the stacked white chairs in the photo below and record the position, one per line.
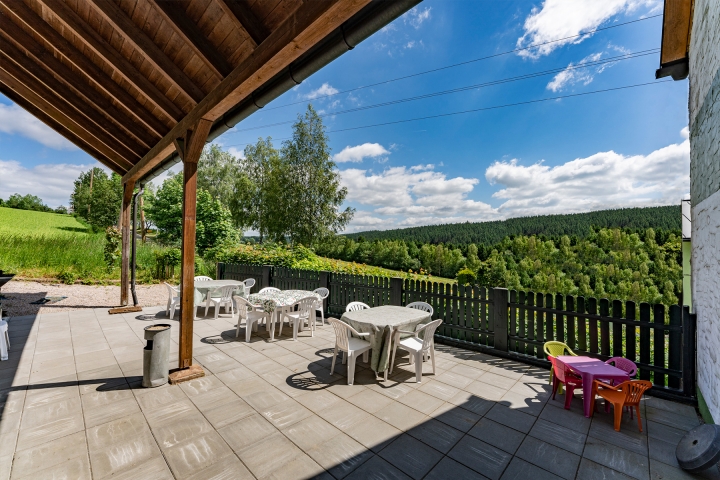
(417, 347)
(268, 289)
(354, 306)
(305, 307)
(251, 314)
(351, 346)
(324, 293)
(173, 300)
(224, 299)
(249, 283)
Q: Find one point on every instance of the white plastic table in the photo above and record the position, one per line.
(275, 302)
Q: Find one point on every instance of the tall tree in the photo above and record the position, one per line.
(216, 174)
(101, 205)
(312, 195)
(26, 202)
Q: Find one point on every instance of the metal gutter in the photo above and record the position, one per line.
(361, 26)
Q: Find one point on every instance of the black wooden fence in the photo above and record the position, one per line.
(660, 340)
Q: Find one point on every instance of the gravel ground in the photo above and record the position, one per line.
(18, 296)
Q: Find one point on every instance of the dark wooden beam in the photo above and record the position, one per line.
(133, 34)
(302, 30)
(93, 102)
(125, 249)
(174, 14)
(97, 44)
(59, 128)
(190, 146)
(48, 102)
(241, 11)
(45, 85)
(82, 64)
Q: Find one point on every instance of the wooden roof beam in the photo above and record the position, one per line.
(174, 15)
(310, 23)
(43, 84)
(83, 64)
(97, 44)
(240, 11)
(37, 54)
(59, 128)
(124, 26)
(60, 117)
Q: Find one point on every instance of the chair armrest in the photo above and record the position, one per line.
(598, 383)
(409, 333)
(366, 334)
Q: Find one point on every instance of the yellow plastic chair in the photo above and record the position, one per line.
(555, 349)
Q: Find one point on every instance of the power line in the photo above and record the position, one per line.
(529, 47)
(494, 107)
(471, 87)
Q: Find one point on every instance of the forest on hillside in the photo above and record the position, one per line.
(490, 233)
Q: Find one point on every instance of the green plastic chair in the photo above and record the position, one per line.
(554, 349)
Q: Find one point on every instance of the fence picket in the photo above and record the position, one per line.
(604, 328)
(617, 330)
(644, 340)
(539, 326)
(675, 346)
(592, 325)
(549, 330)
(570, 307)
(582, 325)
(630, 333)
(559, 320)
(659, 343)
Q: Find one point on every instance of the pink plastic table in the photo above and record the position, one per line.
(591, 369)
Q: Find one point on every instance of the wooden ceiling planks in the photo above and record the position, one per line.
(120, 78)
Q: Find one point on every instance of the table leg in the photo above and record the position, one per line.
(588, 397)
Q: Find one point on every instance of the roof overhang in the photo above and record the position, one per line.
(677, 23)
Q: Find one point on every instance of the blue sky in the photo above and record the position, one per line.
(604, 150)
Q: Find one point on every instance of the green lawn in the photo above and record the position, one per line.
(25, 222)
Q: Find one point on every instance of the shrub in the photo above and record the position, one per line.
(111, 252)
(466, 276)
(67, 277)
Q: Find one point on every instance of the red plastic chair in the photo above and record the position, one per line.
(563, 376)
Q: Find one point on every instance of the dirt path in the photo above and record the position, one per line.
(19, 295)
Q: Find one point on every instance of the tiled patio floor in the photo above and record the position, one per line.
(72, 407)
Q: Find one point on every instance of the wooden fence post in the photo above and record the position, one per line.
(689, 352)
(220, 271)
(396, 287)
(266, 276)
(500, 315)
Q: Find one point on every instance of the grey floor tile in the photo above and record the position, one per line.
(500, 436)
(481, 457)
(77, 468)
(247, 432)
(103, 407)
(472, 403)
(156, 469)
(519, 469)
(672, 419)
(310, 432)
(439, 390)
(436, 434)
(179, 431)
(484, 390)
(301, 466)
(449, 468)
(400, 416)
(197, 453)
(269, 454)
(549, 457)
(340, 455)
(411, 456)
(511, 418)
(422, 402)
(663, 471)
(456, 417)
(664, 432)
(593, 471)
(616, 458)
(229, 467)
(566, 418)
(369, 400)
(285, 413)
(373, 433)
(343, 414)
(51, 430)
(629, 437)
(559, 436)
(377, 469)
(33, 460)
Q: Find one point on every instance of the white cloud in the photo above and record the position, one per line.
(237, 153)
(406, 196)
(15, 120)
(416, 16)
(51, 182)
(601, 181)
(324, 90)
(566, 18)
(360, 152)
(574, 73)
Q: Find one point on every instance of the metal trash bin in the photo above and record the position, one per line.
(155, 355)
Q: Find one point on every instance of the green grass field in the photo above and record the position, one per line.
(25, 222)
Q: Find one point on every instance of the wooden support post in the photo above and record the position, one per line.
(189, 148)
(125, 230)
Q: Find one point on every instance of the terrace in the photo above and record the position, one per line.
(72, 406)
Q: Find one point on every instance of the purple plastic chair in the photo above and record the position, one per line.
(627, 366)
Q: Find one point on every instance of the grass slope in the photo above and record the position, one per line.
(26, 222)
(490, 233)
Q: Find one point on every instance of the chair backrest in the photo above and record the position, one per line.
(322, 291)
(203, 278)
(556, 349)
(623, 364)
(172, 291)
(249, 283)
(560, 370)
(226, 292)
(243, 306)
(341, 332)
(428, 332)
(634, 390)
(305, 305)
(425, 307)
(353, 306)
(268, 289)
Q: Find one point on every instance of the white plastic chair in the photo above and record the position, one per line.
(324, 293)
(425, 307)
(173, 300)
(268, 289)
(249, 312)
(225, 299)
(305, 307)
(4, 340)
(349, 345)
(417, 347)
(249, 283)
(354, 306)
(203, 278)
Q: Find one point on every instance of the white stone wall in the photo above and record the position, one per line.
(704, 51)
(706, 298)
